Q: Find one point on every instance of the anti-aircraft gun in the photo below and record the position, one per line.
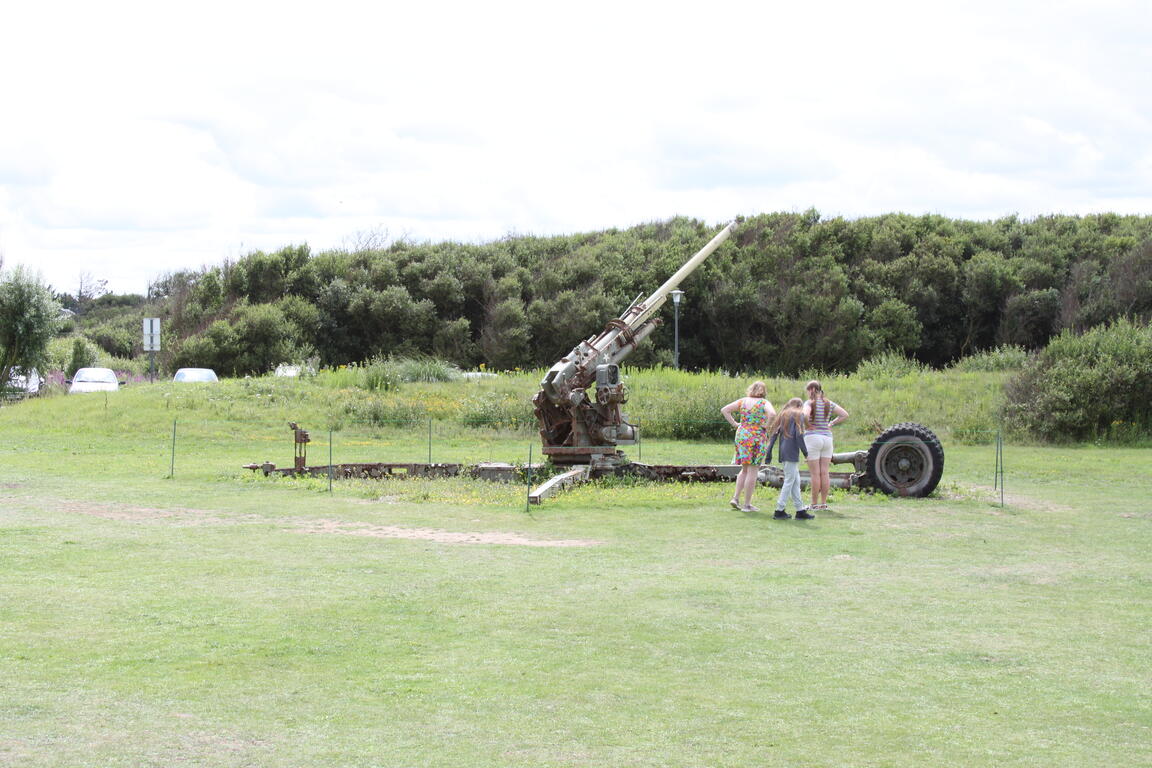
(582, 427)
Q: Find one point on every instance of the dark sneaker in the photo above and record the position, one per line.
(781, 515)
(803, 514)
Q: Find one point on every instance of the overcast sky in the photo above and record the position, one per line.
(141, 138)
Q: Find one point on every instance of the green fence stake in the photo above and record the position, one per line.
(331, 467)
(998, 471)
(429, 440)
(172, 466)
(528, 494)
(996, 462)
(1000, 463)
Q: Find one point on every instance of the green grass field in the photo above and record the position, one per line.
(220, 618)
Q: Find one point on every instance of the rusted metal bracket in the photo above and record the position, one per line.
(300, 440)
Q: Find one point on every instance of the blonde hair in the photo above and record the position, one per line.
(791, 416)
(757, 389)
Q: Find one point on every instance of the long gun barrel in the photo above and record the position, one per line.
(645, 309)
(621, 336)
(571, 424)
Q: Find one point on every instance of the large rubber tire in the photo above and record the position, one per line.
(906, 460)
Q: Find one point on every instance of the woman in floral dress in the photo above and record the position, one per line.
(756, 415)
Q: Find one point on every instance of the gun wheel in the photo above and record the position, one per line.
(906, 460)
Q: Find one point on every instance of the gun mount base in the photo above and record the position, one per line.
(596, 456)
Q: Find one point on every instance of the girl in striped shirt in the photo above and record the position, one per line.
(820, 415)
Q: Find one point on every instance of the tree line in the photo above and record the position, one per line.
(788, 292)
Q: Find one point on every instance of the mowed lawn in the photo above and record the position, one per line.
(222, 619)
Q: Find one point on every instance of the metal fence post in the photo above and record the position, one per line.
(172, 465)
(331, 467)
(998, 478)
(528, 493)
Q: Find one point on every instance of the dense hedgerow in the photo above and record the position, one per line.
(804, 291)
(1094, 385)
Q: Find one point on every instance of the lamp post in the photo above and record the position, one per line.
(676, 294)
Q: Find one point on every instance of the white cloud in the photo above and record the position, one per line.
(146, 138)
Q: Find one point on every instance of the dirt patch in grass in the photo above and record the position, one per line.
(433, 534)
(992, 495)
(184, 516)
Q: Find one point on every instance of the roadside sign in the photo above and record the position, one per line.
(151, 334)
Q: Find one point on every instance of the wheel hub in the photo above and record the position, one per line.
(904, 465)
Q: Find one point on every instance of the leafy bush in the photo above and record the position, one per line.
(84, 355)
(682, 405)
(1002, 358)
(498, 410)
(131, 369)
(692, 419)
(383, 374)
(889, 365)
(379, 375)
(425, 369)
(58, 354)
(113, 339)
(975, 428)
(1091, 386)
(338, 377)
(29, 317)
(253, 341)
(382, 413)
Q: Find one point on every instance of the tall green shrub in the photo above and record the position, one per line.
(1090, 386)
(28, 319)
(84, 354)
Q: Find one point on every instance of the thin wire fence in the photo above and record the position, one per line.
(200, 444)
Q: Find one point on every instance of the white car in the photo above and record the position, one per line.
(94, 380)
(25, 382)
(291, 370)
(195, 374)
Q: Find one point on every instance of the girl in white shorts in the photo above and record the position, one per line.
(820, 415)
